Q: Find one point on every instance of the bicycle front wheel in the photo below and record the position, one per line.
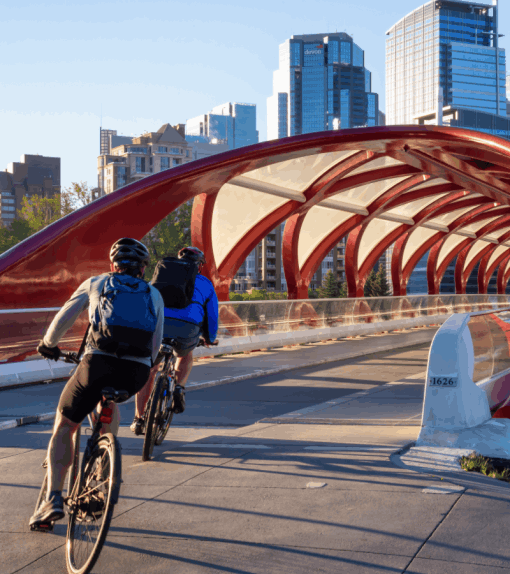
(92, 503)
(154, 417)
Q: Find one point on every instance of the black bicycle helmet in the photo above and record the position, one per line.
(129, 251)
(192, 253)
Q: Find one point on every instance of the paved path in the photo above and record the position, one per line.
(264, 497)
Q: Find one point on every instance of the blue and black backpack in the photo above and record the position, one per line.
(125, 319)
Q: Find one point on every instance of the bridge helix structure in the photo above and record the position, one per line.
(420, 189)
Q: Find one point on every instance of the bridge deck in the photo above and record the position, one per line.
(229, 493)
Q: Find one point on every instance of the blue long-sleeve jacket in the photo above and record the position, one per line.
(203, 309)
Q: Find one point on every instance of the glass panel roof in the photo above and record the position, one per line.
(375, 231)
(412, 208)
(236, 211)
(318, 223)
(377, 164)
(365, 194)
(497, 252)
(475, 249)
(447, 218)
(417, 238)
(451, 242)
(474, 227)
(298, 174)
(431, 182)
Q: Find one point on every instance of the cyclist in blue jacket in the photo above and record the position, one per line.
(186, 326)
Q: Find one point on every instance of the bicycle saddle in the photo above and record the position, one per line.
(110, 394)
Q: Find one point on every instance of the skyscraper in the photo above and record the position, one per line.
(321, 84)
(446, 49)
(231, 123)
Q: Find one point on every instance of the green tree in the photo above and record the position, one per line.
(312, 293)
(76, 196)
(376, 284)
(381, 284)
(369, 288)
(169, 236)
(11, 235)
(330, 288)
(343, 289)
(39, 211)
(233, 296)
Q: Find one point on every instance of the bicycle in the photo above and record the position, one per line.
(159, 412)
(93, 486)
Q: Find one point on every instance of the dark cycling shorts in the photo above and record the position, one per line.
(82, 392)
(186, 335)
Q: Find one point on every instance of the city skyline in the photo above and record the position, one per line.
(76, 62)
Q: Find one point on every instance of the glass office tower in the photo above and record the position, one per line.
(447, 48)
(321, 84)
(231, 123)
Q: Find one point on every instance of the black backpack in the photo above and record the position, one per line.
(175, 280)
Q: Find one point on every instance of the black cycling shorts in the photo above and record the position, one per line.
(186, 335)
(82, 392)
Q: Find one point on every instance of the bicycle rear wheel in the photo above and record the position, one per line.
(92, 504)
(154, 416)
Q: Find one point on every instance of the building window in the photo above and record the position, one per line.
(175, 150)
(162, 149)
(176, 161)
(137, 150)
(165, 163)
(121, 176)
(345, 53)
(187, 153)
(140, 165)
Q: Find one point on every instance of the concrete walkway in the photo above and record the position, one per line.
(34, 400)
(267, 497)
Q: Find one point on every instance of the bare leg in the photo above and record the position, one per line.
(60, 452)
(143, 395)
(183, 366)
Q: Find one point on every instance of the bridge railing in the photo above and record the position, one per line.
(244, 318)
(246, 326)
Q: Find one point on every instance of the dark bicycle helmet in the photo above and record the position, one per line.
(129, 251)
(192, 253)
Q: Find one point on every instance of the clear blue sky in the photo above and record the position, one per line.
(148, 63)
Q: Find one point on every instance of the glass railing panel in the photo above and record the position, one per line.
(482, 346)
(243, 318)
(499, 325)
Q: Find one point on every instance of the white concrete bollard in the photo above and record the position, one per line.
(456, 410)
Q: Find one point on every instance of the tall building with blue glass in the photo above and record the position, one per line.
(321, 84)
(447, 51)
(444, 66)
(232, 123)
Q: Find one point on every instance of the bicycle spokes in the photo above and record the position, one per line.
(91, 509)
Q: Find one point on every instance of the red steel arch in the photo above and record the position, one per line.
(323, 185)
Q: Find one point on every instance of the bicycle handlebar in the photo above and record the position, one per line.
(70, 357)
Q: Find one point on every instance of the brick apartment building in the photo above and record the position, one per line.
(32, 175)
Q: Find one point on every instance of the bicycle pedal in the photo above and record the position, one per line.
(42, 527)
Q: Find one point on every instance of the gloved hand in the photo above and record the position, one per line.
(48, 352)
